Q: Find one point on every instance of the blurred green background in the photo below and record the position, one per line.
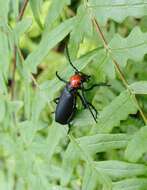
(36, 153)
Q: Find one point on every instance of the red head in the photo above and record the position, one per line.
(77, 79)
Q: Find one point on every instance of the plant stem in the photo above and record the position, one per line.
(15, 50)
(118, 69)
(22, 10)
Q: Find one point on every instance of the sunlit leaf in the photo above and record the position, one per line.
(36, 6)
(137, 146)
(47, 43)
(117, 10)
(119, 169)
(117, 110)
(131, 184)
(139, 87)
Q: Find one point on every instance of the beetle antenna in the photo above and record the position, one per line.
(67, 52)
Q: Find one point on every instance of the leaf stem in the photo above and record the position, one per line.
(22, 10)
(118, 69)
(15, 50)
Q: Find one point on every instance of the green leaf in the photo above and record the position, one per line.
(55, 10)
(70, 160)
(36, 6)
(89, 179)
(27, 101)
(28, 130)
(93, 177)
(4, 54)
(15, 5)
(2, 109)
(6, 144)
(4, 9)
(83, 26)
(103, 142)
(132, 49)
(3, 87)
(117, 10)
(117, 110)
(72, 155)
(119, 169)
(14, 106)
(131, 184)
(139, 87)
(3, 182)
(49, 40)
(56, 132)
(137, 146)
(21, 27)
(83, 118)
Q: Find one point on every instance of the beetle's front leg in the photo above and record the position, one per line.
(96, 85)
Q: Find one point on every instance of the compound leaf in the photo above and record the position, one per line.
(117, 110)
(117, 10)
(119, 169)
(131, 184)
(137, 146)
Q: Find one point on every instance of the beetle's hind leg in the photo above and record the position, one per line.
(92, 106)
(60, 78)
(85, 103)
(82, 100)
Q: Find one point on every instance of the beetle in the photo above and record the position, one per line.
(66, 103)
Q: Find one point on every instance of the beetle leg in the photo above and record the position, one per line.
(96, 112)
(82, 100)
(61, 79)
(87, 105)
(56, 100)
(95, 85)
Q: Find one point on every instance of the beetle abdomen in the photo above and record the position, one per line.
(65, 107)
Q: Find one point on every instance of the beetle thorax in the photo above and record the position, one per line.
(75, 81)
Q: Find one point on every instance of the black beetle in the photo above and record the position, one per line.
(66, 103)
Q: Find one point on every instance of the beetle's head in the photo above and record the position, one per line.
(77, 79)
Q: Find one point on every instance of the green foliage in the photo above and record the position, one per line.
(35, 151)
(118, 10)
(137, 146)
